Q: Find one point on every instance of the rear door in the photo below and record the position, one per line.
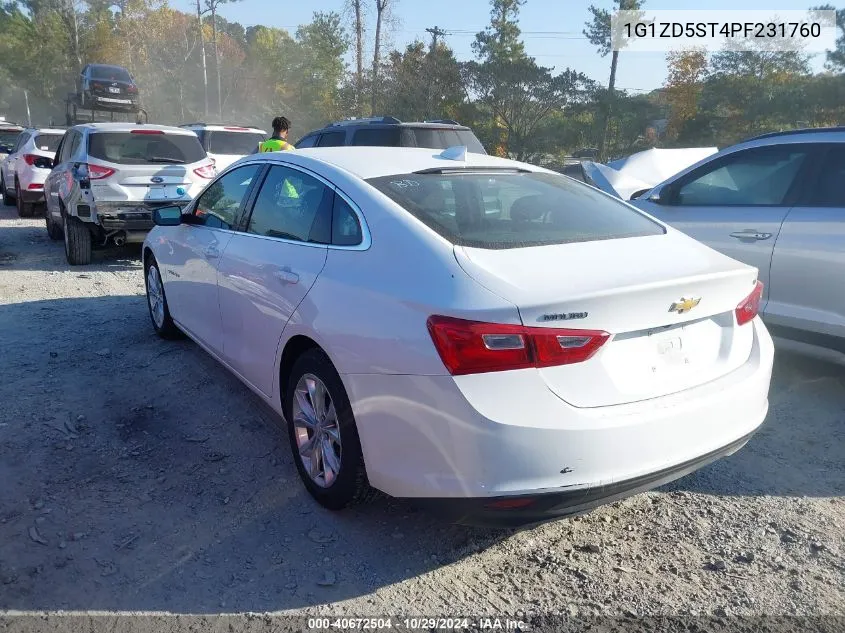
(10, 163)
(269, 267)
(193, 251)
(737, 203)
(807, 287)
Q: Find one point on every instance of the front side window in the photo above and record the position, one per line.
(754, 177)
(145, 147)
(292, 205)
(509, 209)
(219, 204)
(308, 141)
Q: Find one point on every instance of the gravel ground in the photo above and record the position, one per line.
(138, 475)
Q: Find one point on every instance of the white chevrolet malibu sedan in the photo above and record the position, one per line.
(499, 342)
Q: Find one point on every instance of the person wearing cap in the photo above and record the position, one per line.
(278, 142)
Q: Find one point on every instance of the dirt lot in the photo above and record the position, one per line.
(138, 475)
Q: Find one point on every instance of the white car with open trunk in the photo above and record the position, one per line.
(500, 342)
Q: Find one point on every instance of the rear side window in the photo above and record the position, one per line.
(48, 142)
(133, 148)
(378, 137)
(499, 210)
(346, 230)
(830, 186)
(236, 143)
(332, 139)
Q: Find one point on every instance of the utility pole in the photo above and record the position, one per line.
(435, 33)
(28, 115)
(202, 52)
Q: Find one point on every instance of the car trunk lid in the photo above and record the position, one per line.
(667, 301)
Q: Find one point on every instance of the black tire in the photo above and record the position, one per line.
(25, 209)
(53, 230)
(8, 198)
(168, 329)
(351, 486)
(77, 242)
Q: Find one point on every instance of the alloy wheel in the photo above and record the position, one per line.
(155, 296)
(316, 430)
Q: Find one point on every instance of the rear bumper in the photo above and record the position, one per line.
(129, 216)
(458, 444)
(484, 512)
(115, 101)
(32, 197)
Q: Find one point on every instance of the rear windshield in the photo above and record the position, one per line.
(8, 137)
(512, 209)
(435, 138)
(48, 142)
(237, 143)
(110, 73)
(127, 148)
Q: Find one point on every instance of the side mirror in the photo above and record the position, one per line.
(167, 216)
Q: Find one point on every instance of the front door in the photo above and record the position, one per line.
(737, 203)
(193, 254)
(269, 268)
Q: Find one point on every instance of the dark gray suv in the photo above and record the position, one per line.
(391, 132)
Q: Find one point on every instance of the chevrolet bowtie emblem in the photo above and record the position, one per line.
(684, 305)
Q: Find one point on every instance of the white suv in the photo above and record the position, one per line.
(108, 178)
(227, 143)
(23, 172)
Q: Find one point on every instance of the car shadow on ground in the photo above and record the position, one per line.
(49, 255)
(140, 475)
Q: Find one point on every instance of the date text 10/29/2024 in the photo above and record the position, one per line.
(416, 624)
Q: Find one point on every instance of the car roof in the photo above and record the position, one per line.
(47, 130)
(803, 135)
(372, 162)
(356, 125)
(129, 127)
(223, 127)
(110, 66)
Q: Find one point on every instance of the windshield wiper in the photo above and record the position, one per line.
(165, 159)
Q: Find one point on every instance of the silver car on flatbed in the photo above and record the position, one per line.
(776, 202)
(108, 177)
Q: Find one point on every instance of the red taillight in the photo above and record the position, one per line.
(95, 172)
(131, 90)
(97, 86)
(147, 132)
(39, 161)
(472, 347)
(750, 306)
(35, 185)
(206, 171)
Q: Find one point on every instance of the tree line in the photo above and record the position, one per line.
(199, 66)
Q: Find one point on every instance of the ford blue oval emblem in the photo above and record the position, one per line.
(180, 191)
(157, 179)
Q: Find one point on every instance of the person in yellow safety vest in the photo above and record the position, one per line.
(279, 141)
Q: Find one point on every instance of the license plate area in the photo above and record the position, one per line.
(157, 193)
(113, 90)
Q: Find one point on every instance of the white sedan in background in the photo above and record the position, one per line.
(501, 342)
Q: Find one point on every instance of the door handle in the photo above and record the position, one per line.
(287, 276)
(750, 235)
(211, 252)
